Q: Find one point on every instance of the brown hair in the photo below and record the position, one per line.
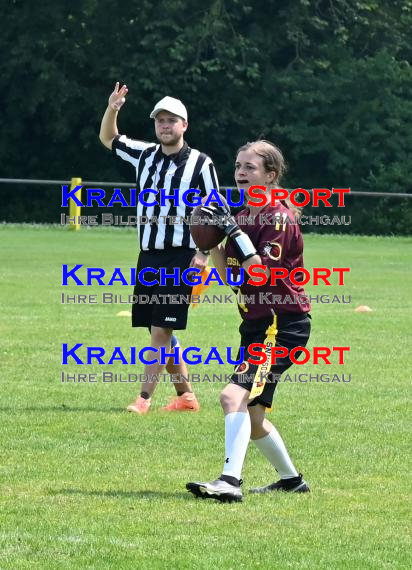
(273, 161)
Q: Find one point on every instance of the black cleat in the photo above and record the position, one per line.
(219, 490)
(293, 485)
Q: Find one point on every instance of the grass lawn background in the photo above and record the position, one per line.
(86, 485)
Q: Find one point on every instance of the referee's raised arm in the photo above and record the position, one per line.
(108, 128)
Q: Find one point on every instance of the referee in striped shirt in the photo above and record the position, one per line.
(174, 167)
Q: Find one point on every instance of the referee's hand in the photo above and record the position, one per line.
(199, 261)
(118, 98)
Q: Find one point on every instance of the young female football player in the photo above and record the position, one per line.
(279, 317)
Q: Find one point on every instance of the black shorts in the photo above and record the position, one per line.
(163, 313)
(293, 331)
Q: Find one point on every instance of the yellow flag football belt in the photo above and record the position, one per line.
(260, 376)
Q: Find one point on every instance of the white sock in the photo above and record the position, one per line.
(274, 450)
(237, 435)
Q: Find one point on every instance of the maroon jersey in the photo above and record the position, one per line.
(279, 244)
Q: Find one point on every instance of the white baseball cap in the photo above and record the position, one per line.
(172, 105)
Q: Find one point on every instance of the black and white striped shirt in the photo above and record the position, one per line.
(184, 170)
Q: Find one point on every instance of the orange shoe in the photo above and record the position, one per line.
(140, 406)
(185, 403)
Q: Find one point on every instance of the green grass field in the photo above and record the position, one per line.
(86, 485)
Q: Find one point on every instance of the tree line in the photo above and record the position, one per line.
(329, 81)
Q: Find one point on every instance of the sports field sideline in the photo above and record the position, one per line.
(86, 485)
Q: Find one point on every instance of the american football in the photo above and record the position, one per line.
(205, 233)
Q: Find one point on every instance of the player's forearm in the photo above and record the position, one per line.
(255, 260)
(219, 261)
(108, 128)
